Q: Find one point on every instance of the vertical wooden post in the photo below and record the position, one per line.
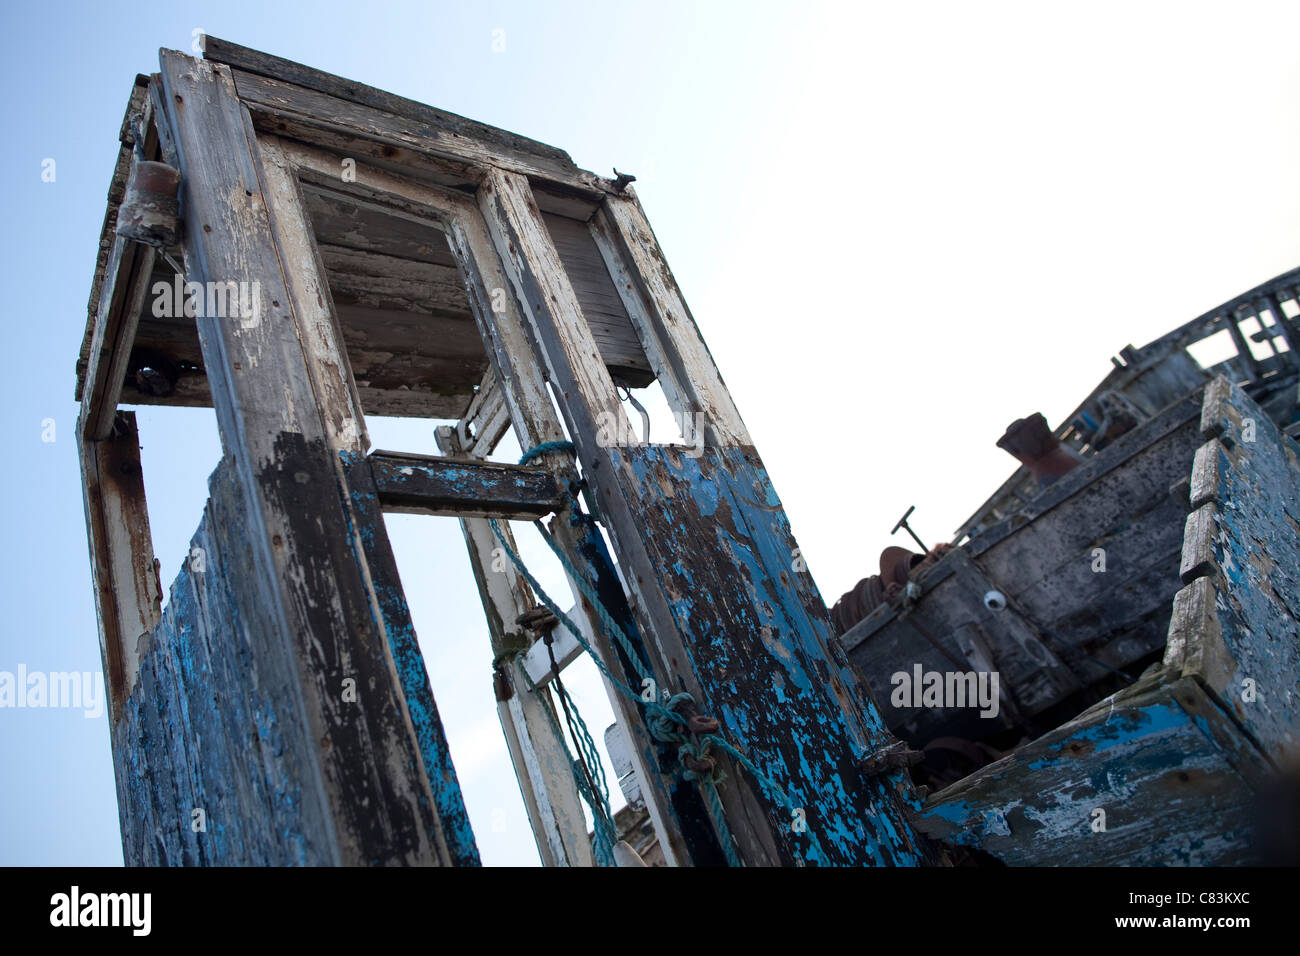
(675, 808)
(366, 793)
(127, 593)
(706, 548)
(541, 759)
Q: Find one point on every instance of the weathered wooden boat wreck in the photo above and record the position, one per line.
(1102, 668)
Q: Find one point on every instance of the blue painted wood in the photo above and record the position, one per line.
(202, 729)
(1160, 766)
(1236, 625)
(759, 652)
(431, 485)
(416, 689)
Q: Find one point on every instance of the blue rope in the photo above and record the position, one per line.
(546, 447)
(664, 721)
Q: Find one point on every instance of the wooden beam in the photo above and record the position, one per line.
(540, 756)
(135, 108)
(319, 117)
(128, 598)
(409, 661)
(124, 292)
(123, 288)
(486, 421)
(665, 323)
(449, 125)
(425, 484)
(285, 418)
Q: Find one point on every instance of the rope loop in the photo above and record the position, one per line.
(545, 448)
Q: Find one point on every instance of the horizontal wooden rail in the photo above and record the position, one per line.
(426, 484)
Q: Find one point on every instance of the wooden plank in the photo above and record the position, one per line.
(386, 282)
(485, 421)
(540, 756)
(108, 242)
(315, 112)
(341, 222)
(425, 484)
(698, 386)
(333, 384)
(417, 692)
(601, 305)
(698, 538)
(1169, 771)
(448, 124)
(128, 597)
(312, 584)
(1199, 534)
(208, 708)
(115, 327)
(1234, 626)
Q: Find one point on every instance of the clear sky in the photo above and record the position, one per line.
(900, 227)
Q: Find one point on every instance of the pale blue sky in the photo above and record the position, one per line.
(899, 226)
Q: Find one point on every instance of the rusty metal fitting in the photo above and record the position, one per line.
(539, 620)
(698, 724)
(150, 211)
(897, 756)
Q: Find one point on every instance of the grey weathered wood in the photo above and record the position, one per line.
(361, 762)
(1235, 625)
(697, 383)
(948, 614)
(449, 125)
(128, 597)
(602, 307)
(108, 242)
(1245, 361)
(486, 420)
(123, 284)
(119, 314)
(541, 759)
(425, 484)
(315, 316)
(292, 104)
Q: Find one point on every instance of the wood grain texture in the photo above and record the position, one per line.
(1169, 770)
(313, 582)
(127, 593)
(426, 484)
(529, 721)
(1236, 626)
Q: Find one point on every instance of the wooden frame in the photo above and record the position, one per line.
(325, 587)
